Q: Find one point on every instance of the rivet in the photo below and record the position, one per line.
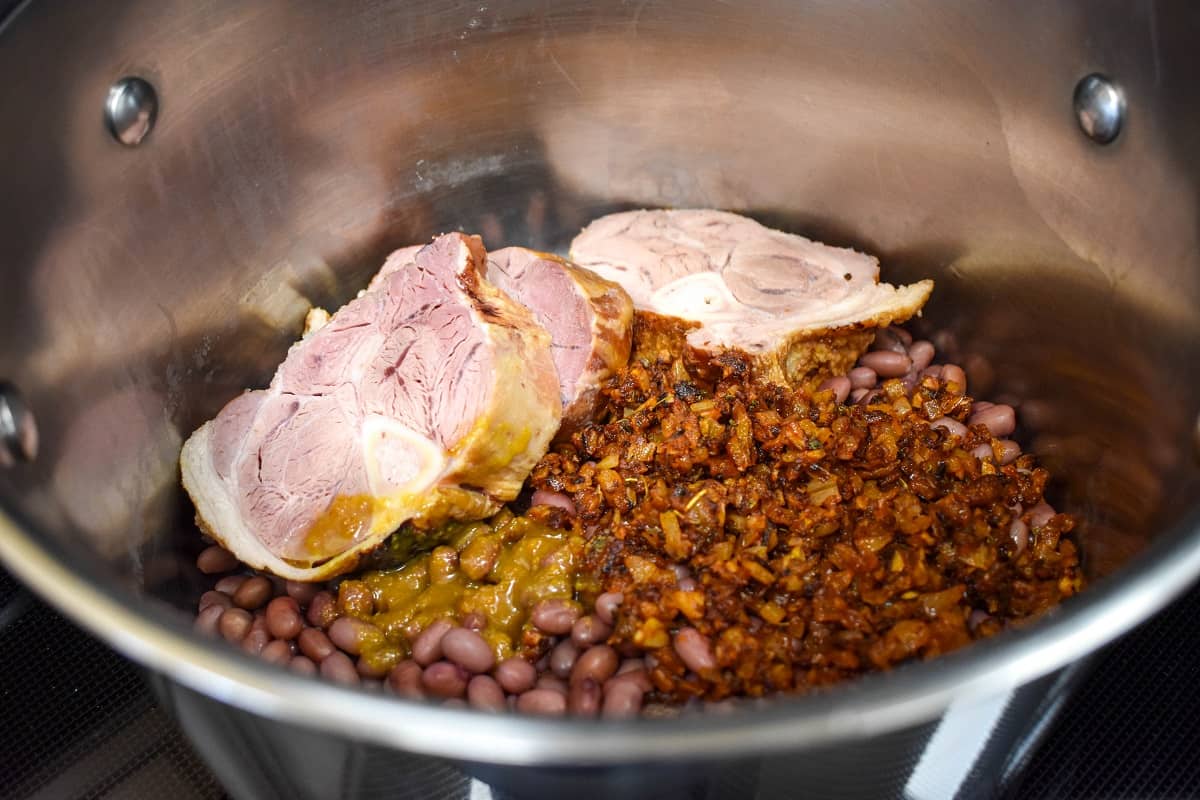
(1099, 107)
(18, 433)
(130, 110)
(1196, 438)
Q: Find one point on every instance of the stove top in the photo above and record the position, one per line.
(80, 723)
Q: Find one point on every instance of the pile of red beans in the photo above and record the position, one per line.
(895, 354)
(299, 626)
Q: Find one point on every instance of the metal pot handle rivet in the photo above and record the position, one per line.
(1099, 108)
(18, 432)
(131, 110)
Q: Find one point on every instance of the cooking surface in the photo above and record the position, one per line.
(81, 723)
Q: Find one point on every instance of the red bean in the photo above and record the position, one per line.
(858, 394)
(631, 665)
(216, 559)
(1019, 532)
(215, 598)
(354, 635)
(208, 619)
(302, 593)
(315, 644)
(606, 606)
(584, 698)
(903, 335)
(555, 616)
(302, 665)
(886, 363)
(444, 679)
(231, 583)
(254, 593)
(840, 386)
(590, 630)
(1000, 420)
(549, 680)
(562, 658)
(235, 624)
(950, 425)
(638, 677)
(355, 599)
(542, 497)
(339, 668)
(932, 372)
(405, 680)
(622, 699)
(372, 684)
(862, 378)
(694, 650)
(283, 618)
(982, 451)
(475, 621)
(543, 702)
(1040, 514)
(596, 663)
(428, 646)
(322, 610)
(1007, 451)
(374, 667)
(887, 340)
(953, 374)
(516, 675)
(454, 702)
(277, 651)
(921, 353)
(468, 649)
(485, 694)
(256, 639)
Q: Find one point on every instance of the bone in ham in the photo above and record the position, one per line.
(429, 397)
(703, 281)
(589, 319)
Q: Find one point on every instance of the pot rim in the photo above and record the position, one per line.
(877, 704)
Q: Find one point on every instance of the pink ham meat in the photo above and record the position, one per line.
(589, 319)
(429, 397)
(705, 281)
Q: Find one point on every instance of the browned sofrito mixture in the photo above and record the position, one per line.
(768, 540)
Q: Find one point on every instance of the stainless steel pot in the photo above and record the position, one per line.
(290, 144)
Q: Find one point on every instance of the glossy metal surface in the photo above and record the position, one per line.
(1099, 107)
(18, 431)
(299, 141)
(130, 110)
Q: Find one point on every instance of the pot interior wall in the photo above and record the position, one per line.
(297, 143)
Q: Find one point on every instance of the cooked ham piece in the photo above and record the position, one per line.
(589, 319)
(429, 397)
(719, 281)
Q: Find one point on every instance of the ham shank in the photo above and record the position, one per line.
(704, 281)
(429, 397)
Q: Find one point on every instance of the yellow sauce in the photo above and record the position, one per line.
(500, 569)
(339, 526)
